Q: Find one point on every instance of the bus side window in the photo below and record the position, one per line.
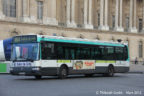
(82, 53)
(119, 53)
(85, 53)
(88, 53)
(43, 49)
(72, 53)
(110, 53)
(78, 53)
(68, 54)
(97, 53)
(60, 52)
(102, 53)
(47, 50)
(92, 53)
(125, 53)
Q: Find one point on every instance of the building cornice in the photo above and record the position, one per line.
(71, 29)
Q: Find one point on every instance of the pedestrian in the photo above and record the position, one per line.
(136, 61)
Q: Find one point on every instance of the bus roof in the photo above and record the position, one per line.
(78, 41)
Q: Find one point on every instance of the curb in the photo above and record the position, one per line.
(136, 72)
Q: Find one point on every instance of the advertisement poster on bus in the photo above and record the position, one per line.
(84, 64)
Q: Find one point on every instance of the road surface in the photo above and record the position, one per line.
(120, 85)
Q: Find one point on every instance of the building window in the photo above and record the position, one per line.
(40, 10)
(127, 24)
(140, 49)
(98, 19)
(113, 22)
(9, 8)
(140, 25)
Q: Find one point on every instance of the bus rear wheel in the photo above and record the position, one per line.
(63, 72)
(110, 72)
(38, 76)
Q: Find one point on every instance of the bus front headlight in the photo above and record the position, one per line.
(36, 69)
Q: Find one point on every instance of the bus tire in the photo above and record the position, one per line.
(110, 72)
(63, 72)
(38, 76)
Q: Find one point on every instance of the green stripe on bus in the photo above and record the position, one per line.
(105, 61)
(63, 61)
(100, 61)
(3, 67)
(111, 61)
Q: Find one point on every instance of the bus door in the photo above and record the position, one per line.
(48, 55)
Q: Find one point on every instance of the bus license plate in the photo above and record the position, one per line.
(22, 64)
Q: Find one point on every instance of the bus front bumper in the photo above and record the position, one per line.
(27, 71)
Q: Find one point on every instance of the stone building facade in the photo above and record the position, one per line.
(106, 20)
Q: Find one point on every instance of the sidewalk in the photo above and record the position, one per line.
(136, 68)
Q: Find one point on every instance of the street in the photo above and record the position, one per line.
(119, 85)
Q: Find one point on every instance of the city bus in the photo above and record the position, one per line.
(41, 55)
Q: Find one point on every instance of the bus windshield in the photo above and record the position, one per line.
(25, 51)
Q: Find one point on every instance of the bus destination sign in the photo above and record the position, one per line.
(24, 39)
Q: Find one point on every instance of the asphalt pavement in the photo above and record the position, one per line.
(76, 85)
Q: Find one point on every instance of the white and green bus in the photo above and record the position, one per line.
(41, 55)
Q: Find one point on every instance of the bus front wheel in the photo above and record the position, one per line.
(63, 72)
